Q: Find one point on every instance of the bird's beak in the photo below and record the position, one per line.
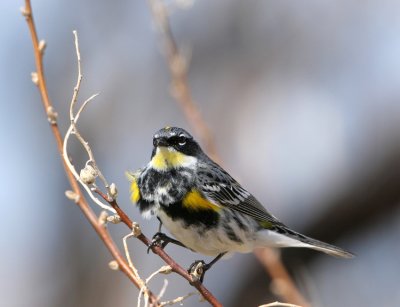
(160, 142)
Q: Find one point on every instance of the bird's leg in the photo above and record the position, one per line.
(198, 268)
(160, 225)
(161, 239)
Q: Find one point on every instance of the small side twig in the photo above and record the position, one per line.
(179, 299)
(163, 270)
(127, 253)
(74, 130)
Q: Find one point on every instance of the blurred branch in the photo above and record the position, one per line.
(77, 195)
(179, 84)
(282, 284)
(181, 92)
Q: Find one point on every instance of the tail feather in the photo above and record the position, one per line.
(326, 248)
(313, 243)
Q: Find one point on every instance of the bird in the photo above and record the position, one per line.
(204, 208)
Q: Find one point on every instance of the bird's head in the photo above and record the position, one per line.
(174, 147)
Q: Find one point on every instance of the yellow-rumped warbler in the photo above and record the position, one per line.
(203, 207)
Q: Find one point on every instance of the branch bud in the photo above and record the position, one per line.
(113, 190)
(103, 218)
(71, 195)
(166, 269)
(42, 46)
(115, 219)
(113, 265)
(51, 115)
(25, 12)
(35, 78)
(88, 174)
(136, 231)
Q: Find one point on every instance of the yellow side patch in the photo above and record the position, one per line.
(165, 159)
(194, 201)
(266, 224)
(135, 192)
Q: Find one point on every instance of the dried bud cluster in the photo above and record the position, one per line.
(88, 174)
(51, 115)
(166, 269)
(115, 219)
(136, 231)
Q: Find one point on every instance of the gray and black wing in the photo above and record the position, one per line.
(220, 188)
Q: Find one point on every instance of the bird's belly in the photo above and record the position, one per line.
(209, 241)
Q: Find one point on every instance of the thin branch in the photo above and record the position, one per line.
(74, 118)
(181, 92)
(80, 199)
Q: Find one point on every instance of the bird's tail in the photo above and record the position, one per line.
(326, 248)
(285, 237)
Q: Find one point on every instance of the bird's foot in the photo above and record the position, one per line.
(161, 239)
(197, 270)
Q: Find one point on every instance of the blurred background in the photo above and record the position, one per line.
(302, 98)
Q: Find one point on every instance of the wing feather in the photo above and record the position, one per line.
(220, 188)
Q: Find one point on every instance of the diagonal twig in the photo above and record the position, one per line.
(76, 194)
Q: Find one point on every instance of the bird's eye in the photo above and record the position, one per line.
(181, 140)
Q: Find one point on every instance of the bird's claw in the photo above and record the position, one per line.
(197, 270)
(159, 239)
